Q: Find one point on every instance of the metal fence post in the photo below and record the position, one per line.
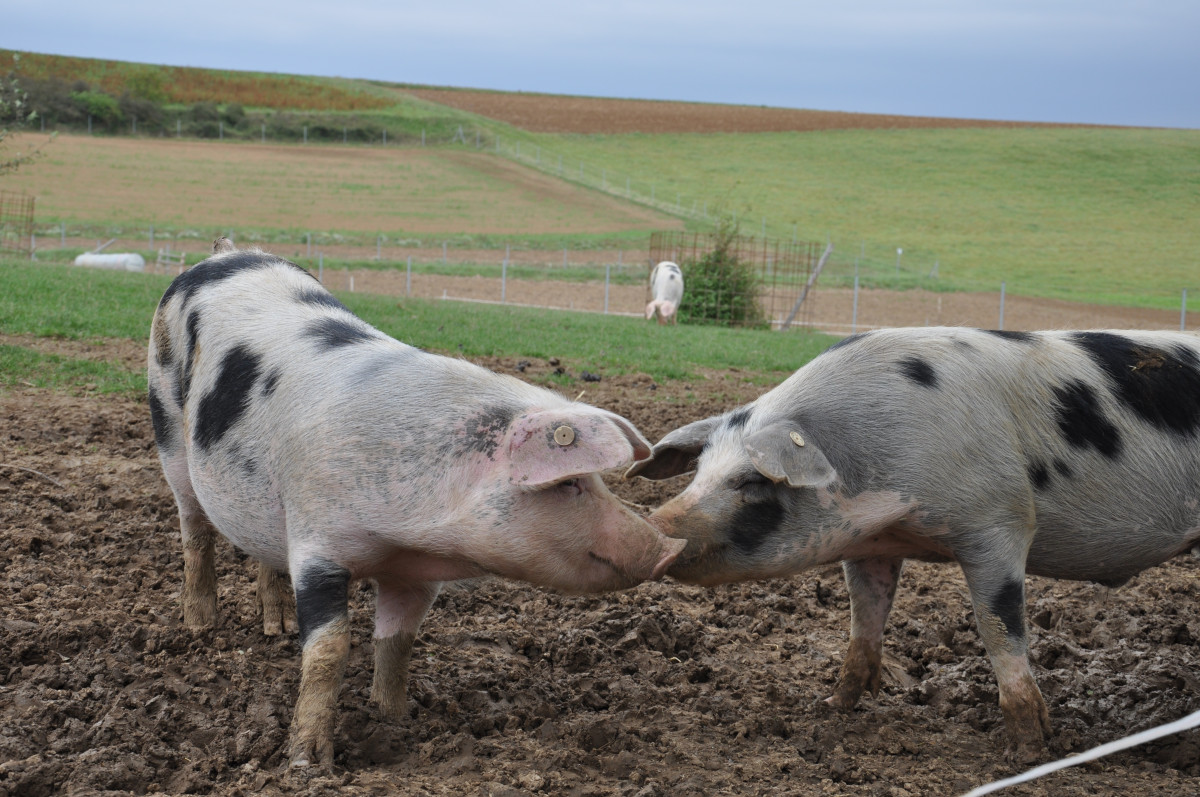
(1001, 327)
(607, 277)
(854, 312)
(1183, 312)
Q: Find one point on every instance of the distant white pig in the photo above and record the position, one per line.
(1073, 455)
(666, 286)
(328, 450)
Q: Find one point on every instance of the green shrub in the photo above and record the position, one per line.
(719, 288)
(103, 108)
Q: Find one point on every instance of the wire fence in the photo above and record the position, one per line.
(740, 280)
(16, 223)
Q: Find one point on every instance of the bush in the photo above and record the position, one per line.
(719, 288)
(104, 109)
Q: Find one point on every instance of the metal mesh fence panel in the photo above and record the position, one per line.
(16, 223)
(752, 282)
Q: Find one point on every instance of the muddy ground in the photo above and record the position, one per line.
(661, 690)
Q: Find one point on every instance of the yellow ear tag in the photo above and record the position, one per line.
(564, 435)
(796, 438)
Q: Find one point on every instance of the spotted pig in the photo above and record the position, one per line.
(666, 288)
(327, 450)
(1073, 455)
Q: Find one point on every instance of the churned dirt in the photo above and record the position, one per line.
(558, 113)
(660, 690)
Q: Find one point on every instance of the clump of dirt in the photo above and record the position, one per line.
(660, 690)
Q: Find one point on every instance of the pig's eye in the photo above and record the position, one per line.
(569, 486)
(751, 482)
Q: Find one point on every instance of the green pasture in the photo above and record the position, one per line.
(89, 304)
(1086, 214)
(1098, 215)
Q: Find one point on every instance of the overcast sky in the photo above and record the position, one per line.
(1125, 62)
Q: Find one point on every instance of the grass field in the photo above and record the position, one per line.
(1102, 215)
(1088, 214)
(183, 184)
(83, 304)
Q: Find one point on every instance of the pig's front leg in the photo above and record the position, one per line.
(274, 602)
(872, 587)
(998, 598)
(322, 609)
(399, 610)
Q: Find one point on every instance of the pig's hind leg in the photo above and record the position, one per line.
(199, 538)
(399, 610)
(872, 587)
(278, 615)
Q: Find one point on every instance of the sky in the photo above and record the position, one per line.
(1121, 62)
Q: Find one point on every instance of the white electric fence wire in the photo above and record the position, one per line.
(1187, 723)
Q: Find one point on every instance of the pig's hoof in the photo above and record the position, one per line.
(845, 696)
(1026, 753)
(311, 754)
(200, 618)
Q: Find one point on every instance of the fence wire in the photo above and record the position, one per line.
(16, 223)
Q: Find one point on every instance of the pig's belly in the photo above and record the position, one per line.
(1105, 556)
(244, 506)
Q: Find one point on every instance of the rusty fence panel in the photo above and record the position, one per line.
(777, 271)
(16, 223)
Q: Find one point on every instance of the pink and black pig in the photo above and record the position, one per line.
(1074, 455)
(331, 452)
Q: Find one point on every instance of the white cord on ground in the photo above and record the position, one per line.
(1188, 722)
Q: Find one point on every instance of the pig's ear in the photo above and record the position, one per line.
(676, 453)
(782, 454)
(550, 446)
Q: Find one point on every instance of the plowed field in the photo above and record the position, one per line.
(556, 113)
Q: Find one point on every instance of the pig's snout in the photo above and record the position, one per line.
(671, 550)
(640, 554)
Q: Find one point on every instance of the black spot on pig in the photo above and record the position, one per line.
(1015, 337)
(189, 357)
(322, 595)
(1009, 605)
(1039, 475)
(919, 371)
(270, 382)
(1161, 386)
(1082, 423)
(332, 333)
(321, 298)
(158, 418)
(218, 269)
(1063, 469)
(229, 398)
(754, 523)
(848, 341)
(485, 430)
(738, 418)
